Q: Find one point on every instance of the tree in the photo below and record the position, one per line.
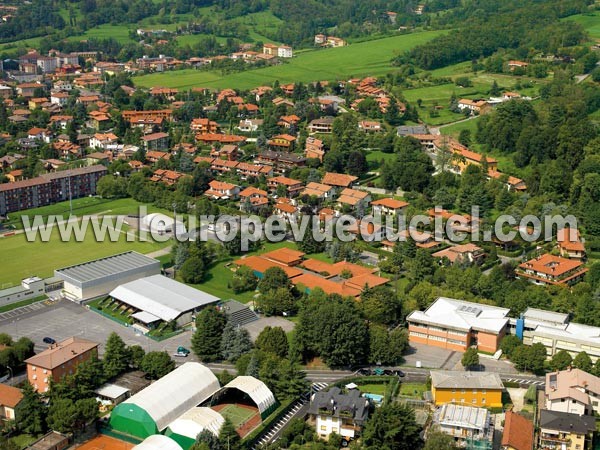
(509, 343)
(5, 339)
(88, 376)
(380, 305)
(561, 360)
(23, 349)
(530, 358)
(291, 381)
(244, 280)
(208, 439)
(157, 364)
(116, 356)
(206, 341)
(192, 270)
(235, 342)
(7, 443)
(392, 426)
(228, 437)
(470, 358)
(438, 440)
(277, 302)
(583, 362)
(30, 413)
(273, 340)
(273, 278)
(136, 354)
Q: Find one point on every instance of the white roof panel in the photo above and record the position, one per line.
(168, 398)
(158, 442)
(196, 420)
(162, 297)
(111, 391)
(256, 390)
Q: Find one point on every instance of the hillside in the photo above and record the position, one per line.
(365, 58)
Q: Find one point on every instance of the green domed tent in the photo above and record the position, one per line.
(129, 418)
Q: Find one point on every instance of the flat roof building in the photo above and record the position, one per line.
(458, 324)
(466, 424)
(157, 298)
(100, 276)
(467, 388)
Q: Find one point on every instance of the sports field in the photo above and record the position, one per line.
(23, 259)
(238, 414)
(365, 58)
(102, 442)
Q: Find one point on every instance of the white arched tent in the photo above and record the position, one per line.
(158, 442)
(258, 392)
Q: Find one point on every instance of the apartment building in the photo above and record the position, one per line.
(467, 388)
(457, 325)
(59, 360)
(49, 188)
(548, 269)
(573, 391)
(565, 431)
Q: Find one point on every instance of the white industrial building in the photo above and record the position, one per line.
(98, 277)
(151, 410)
(158, 298)
(158, 442)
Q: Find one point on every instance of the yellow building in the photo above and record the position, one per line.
(566, 431)
(467, 388)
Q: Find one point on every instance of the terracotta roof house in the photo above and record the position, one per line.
(573, 391)
(284, 255)
(293, 187)
(338, 179)
(284, 141)
(354, 198)
(389, 206)
(570, 244)
(58, 361)
(517, 433)
(314, 148)
(464, 253)
(222, 190)
(10, 397)
(319, 190)
(548, 269)
(169, 177)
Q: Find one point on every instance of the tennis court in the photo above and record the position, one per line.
(102, 442)
(238, 414)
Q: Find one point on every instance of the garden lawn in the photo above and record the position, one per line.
(589, 21)
(414, 390)
(41, 258)
(455, 128)
(365, 58)
(377, 389)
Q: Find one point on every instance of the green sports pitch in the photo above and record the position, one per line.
(237, 414)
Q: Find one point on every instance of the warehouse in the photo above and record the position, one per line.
(158, 442)
(98, 277)
(186, 428)
(157, 299)
(150, 411)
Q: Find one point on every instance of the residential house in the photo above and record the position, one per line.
(223, 166)
(292, 187)
(154, 156)
(468, 425)
(370, 126)
(270, 49)
(548, 269)
(99, 120)
(511, 183)
(156, 141)
(15, 175)
(220, 190)
(288, 121)
(514, 64)
(569, 243)
(214, 138)
(339, 180)
(168, 177)
(203, 125)
(67, 150)
(285, 51)
(252, 198)
(246, 170)
(59, 98)
(323, 125)
(282, 142)
(318, 190)
(28, 89)
(249, 125)
(103, 140)
(281, 161)
(518, 432)
(389, 206)
(98, 158)
(58, 361)
(462, 254)
(457, 325)
(314, 148)
(573, 391)
(286, 209)
(228, 152)
(61, 120)
(88, 100)
(354, 199)
(10, 397)
(475, 106)
(40, 134)
(565, 431)
(344, 414)
(480, 389)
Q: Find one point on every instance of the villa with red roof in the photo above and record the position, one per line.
(548, 269)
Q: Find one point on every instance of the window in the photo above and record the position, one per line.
(454, 390)
(33, 368)
(483, 391)
(483, 401)
(462, 400)
(462, 391)
(45, 371)
(34, 377)
(323, 428)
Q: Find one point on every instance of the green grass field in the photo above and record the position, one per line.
(589, 21)
(415, 390)
(366, 58)
(377, 389)
(236, 414)
(117, 32)
(455, 129)
(41, 258)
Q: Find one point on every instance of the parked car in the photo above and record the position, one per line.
(182, 352)
(49, 341)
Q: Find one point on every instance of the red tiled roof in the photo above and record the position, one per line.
(518, 432)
